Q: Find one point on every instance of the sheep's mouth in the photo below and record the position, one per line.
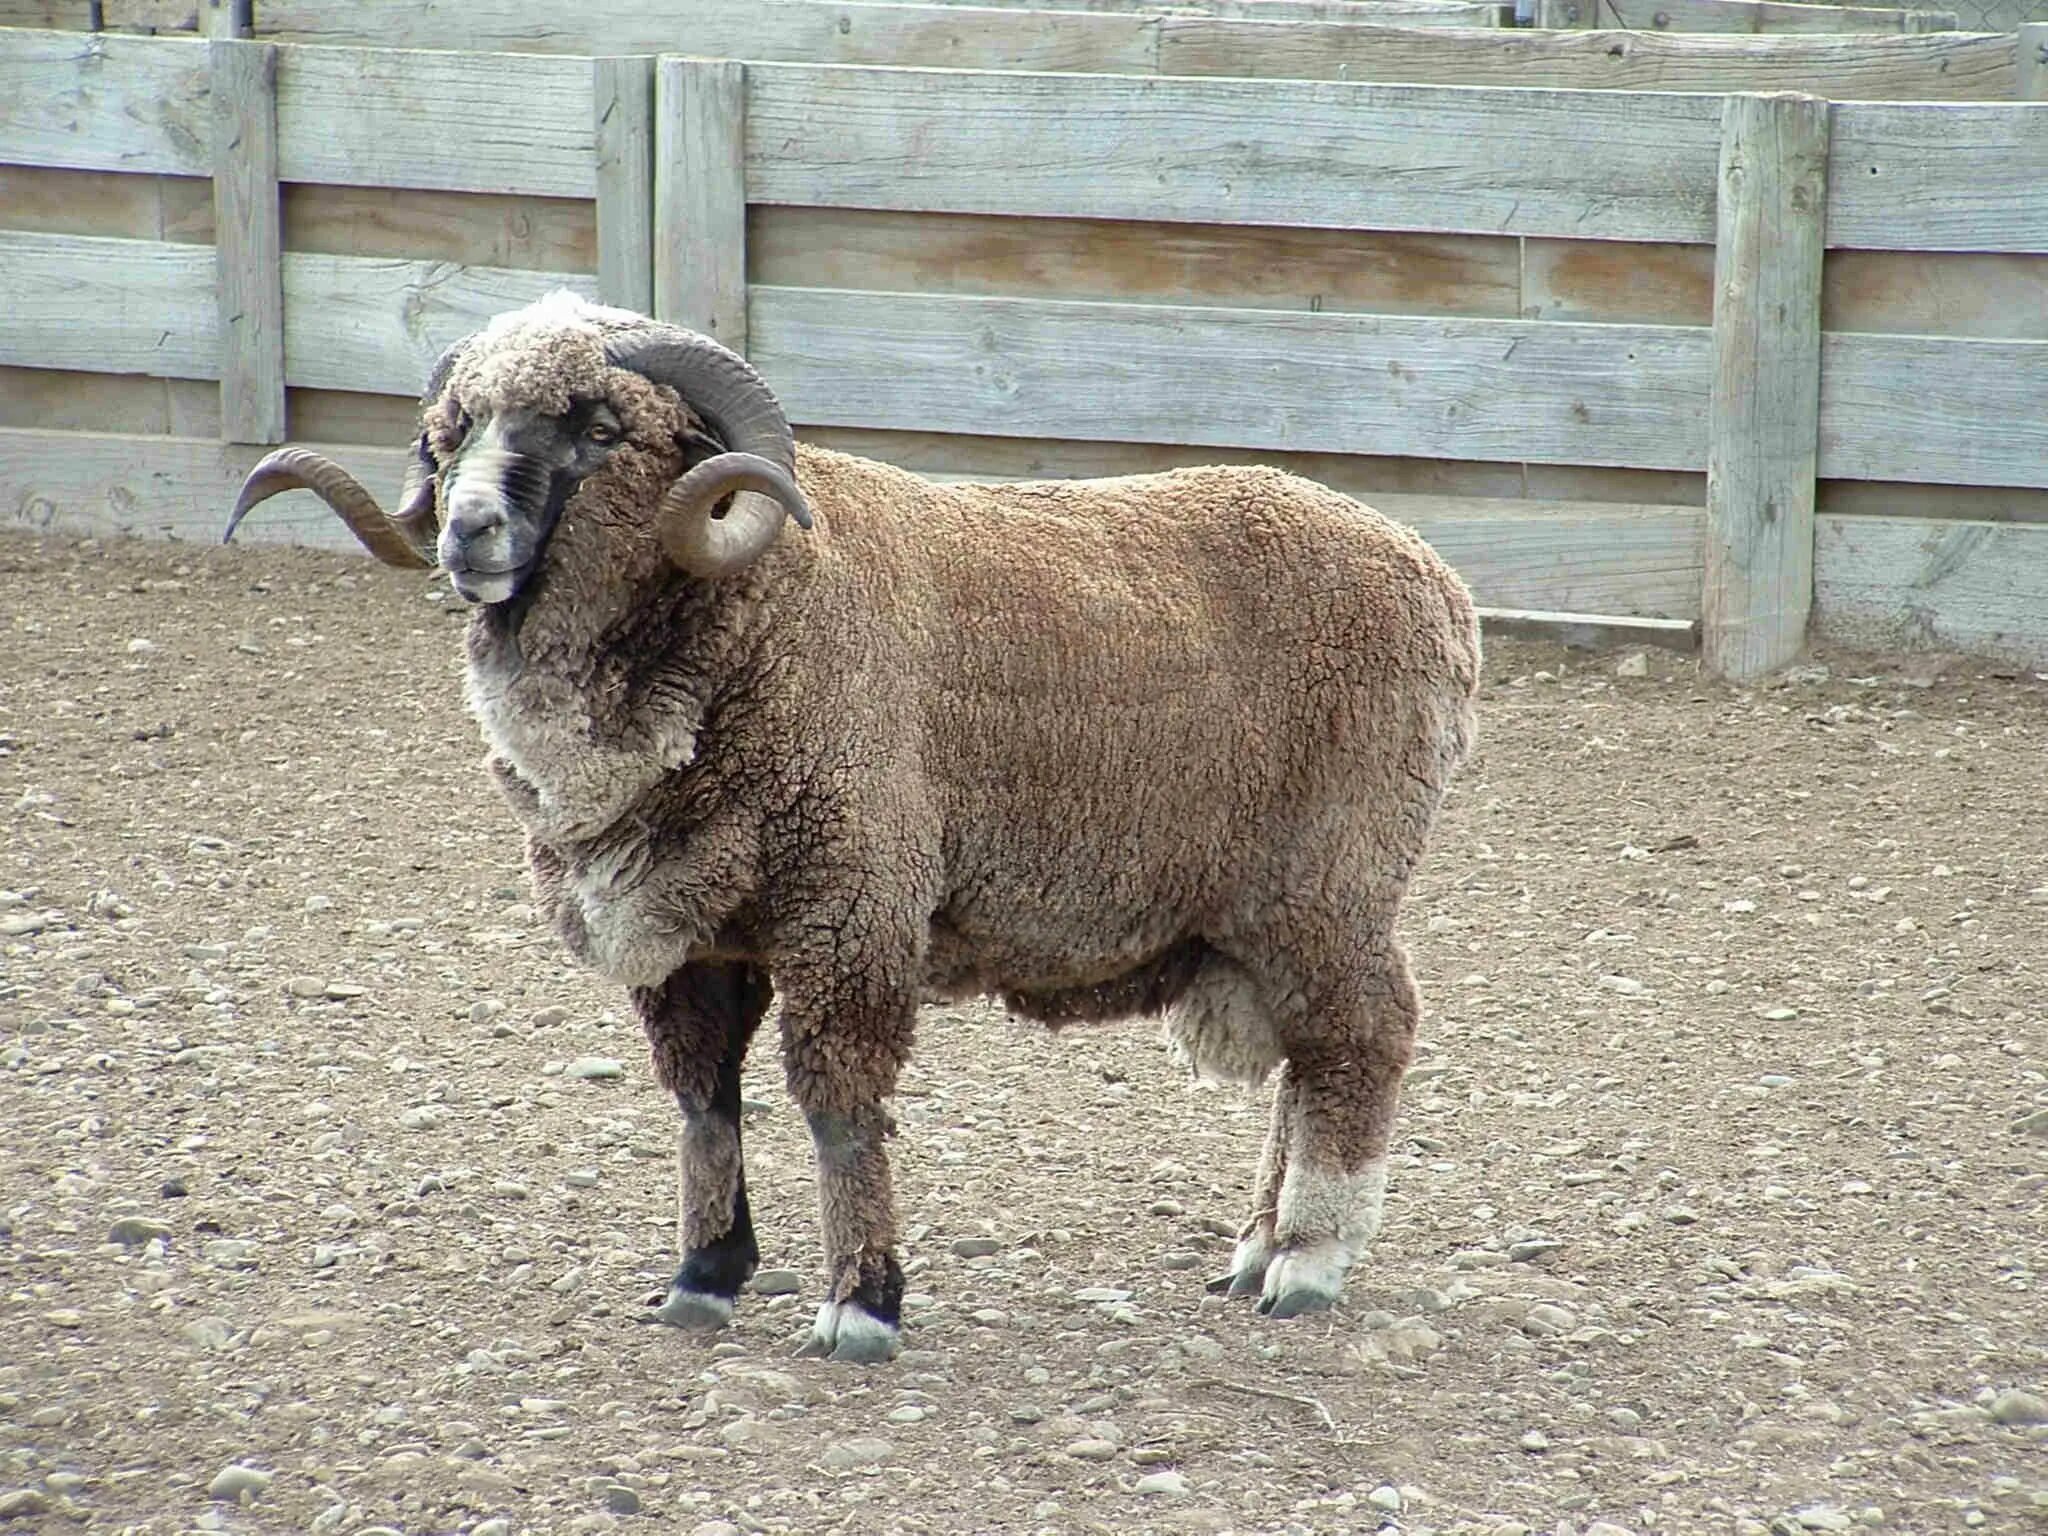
(488, 585)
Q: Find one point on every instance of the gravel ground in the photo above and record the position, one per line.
(333, 1197)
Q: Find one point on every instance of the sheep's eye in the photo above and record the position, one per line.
(598, 432)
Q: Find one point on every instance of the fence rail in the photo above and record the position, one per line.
(1423, 294)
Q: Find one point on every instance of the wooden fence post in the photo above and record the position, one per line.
(2033, 59)
(700, 197)
(1763, 433)
(623, 95)
(248, 235)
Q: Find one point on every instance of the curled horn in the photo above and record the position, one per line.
(758, 471)
(301, 469)
(405, 540)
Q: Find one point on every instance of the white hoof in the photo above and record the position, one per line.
(844, 1330)
(693, 1311)
(1308, 1278)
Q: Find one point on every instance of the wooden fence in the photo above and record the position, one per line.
(1492, 313)
(1427, 42)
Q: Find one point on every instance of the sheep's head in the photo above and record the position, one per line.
(517, 416)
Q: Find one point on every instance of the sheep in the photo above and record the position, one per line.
(1163, 745)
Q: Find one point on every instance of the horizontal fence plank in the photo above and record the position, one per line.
(1741, 16)
(1124, 41)
(112, 306)
(1575, 556)
(1136, 262)
(1898, 583)
(175, 487)
(1954, 66)
(376, 324)
(1281, 152)
(454, 122)
(95, 103)
(1961, 178)
(1468, 389)
(1938, 409)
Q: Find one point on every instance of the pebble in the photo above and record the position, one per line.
(862, 1451)
(593, 1067)
(306, 986)
(621, 1500)
(498, 1525)
(1092, 1450)
(234, 1481)
(1531, 1249)
(1162, 1482)
(173, 1189)
(581, 1178)
(1608, 1528)
(1546, 1320)
(548, 1018)
(1823, 1517)
(1386, 1497)
(976, 1247)
(714, 1528)
(23, 1501)
(909, 1413)
(1627, 986)
(777, 1282)
(1101, 1293)
(2033, 1123)
(1681, 1215)
(1634, 664)
(2014, 1406)
(232, 1252)
(1535, 1440)
(134, 1231)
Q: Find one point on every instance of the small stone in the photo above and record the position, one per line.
(1634, 664)
(18, 1502)
(581, 1178)
(548, 1018)
(1823, 1517)
(714, 1528)
(862, 1451)
(1092, 1450)
(1101, 1294)
(1546, 1320)
(1386, 1496)
(65, 1317)
(1627, 986)
(976, 1247)
(345, 991)
(2014, 1406)
(1162, 1483)
(235, 1482)
(2033, 1123)
(1534, 1440)
(1781, 1015)
(621, 1500)
(173, 1189)
(1775, 1080)
(593, 1067)
(1681, 1215)
(496, 1526)
(777, 1282)
(1608, 1528)
(909, 1413)
(1533, 1249)
(134, 1231)
(306, 986)
(232, 1253)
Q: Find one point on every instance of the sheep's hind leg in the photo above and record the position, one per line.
(699, 1022)
(1347, 1054)
(842, 1060)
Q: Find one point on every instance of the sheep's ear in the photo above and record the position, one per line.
(416, 512)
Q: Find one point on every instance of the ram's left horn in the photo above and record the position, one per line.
(301, 469)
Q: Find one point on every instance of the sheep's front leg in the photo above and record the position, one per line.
(699, 1023)
(842, 1063)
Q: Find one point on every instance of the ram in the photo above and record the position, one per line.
(1162, 745)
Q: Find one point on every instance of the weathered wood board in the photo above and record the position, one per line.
(1473, 389)
(1910, 583)
(1279, 152)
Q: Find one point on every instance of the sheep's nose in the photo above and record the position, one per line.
(472, 514)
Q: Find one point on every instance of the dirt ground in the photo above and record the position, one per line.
(331, 1197)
